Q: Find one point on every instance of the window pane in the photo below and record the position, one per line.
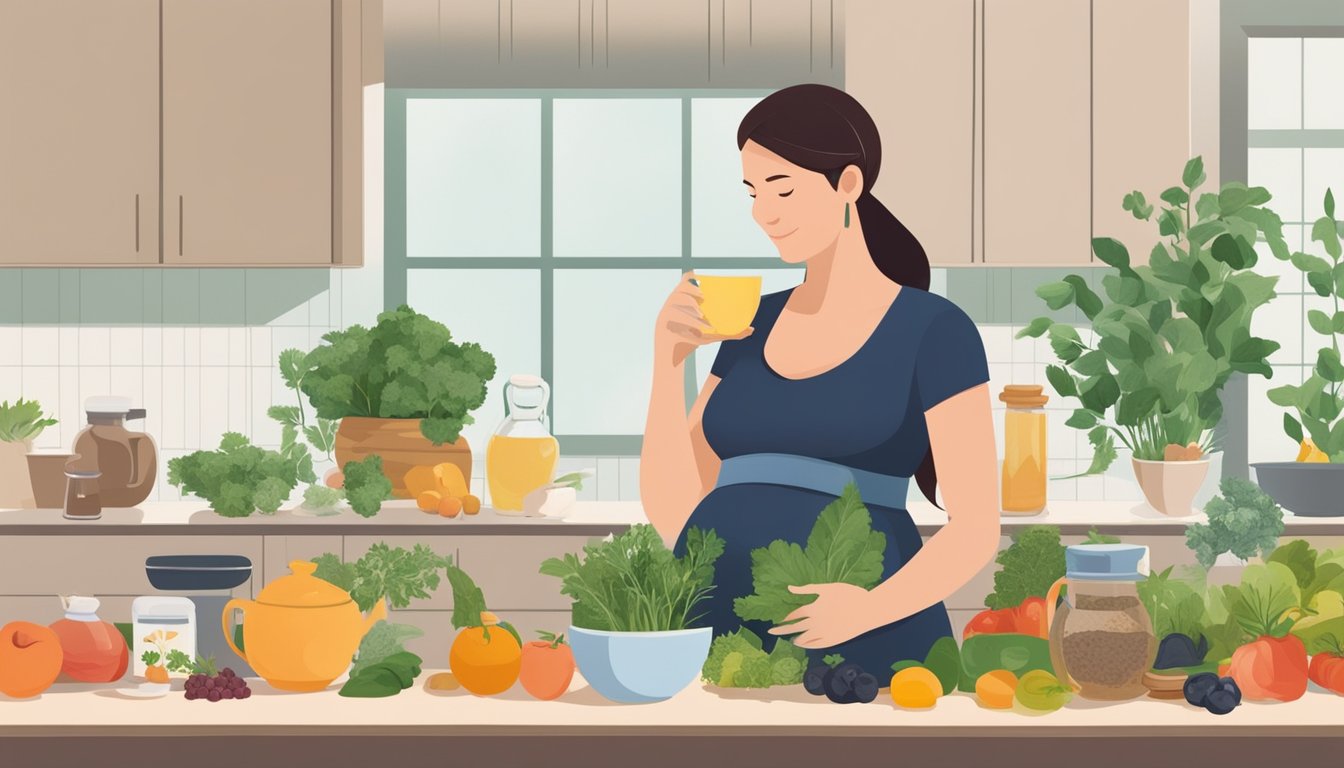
(1274, 82)
(1323, 169)
(604, 347)
(772, 281)
(473, 177)
(721, 222)
(1278, 170)
(496, 308)
(617, 177)
(1323, 60)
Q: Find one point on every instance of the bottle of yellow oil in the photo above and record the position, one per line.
(522, 453)
(1024, 454)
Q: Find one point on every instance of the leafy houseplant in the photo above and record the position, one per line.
(20, 424)
(402, 389)
(634, 598)
(1168, 334)
(1315, 488)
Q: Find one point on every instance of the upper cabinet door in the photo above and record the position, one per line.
(1140, 112)
(247, 132)
(79, 142)
(1037, 132)
(910, 63)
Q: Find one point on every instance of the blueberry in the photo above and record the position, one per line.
(1229, 685)
(1220, 702)
(865, 688)
(814, 680)
(1198, 687)
(839, 682)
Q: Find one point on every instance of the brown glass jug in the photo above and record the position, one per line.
(126, 461)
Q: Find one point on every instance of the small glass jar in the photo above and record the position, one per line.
(1024, 428)
(161, 624)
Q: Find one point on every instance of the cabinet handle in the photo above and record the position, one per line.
(179, 225)
(137, 223)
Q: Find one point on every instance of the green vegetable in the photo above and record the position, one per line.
(405, 367)
(394, 573)
(237, 479)
(832, 660)
(1261, 603)
(22, 421)
(634, 583)
(1243, 521)
(842, 547)
(320, 498)
(1042, 691)
(366, 486)
(737, 660)
(1033, 562)
(383, 666)
(179, 661)
(1173, 605)
(468, 600)
(384, 641)
(1016, 653)
(573, 480)
(1314, 574)
(1096, 537)
(944, 661)
(151, 658)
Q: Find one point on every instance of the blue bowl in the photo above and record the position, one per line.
(639, 667)
(202, 573)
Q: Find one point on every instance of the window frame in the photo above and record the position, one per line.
(397, 262)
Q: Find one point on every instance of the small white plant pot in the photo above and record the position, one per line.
(1170, 486)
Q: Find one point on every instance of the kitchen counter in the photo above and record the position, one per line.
(70, 724)
(588, 518)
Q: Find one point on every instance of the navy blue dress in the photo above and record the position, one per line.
(866, 413)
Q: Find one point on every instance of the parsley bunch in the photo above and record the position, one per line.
(237, 479)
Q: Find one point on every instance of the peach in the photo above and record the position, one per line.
(30, 659)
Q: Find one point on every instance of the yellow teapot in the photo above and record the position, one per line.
(301, 632)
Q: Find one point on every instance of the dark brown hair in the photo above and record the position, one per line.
(825, 130)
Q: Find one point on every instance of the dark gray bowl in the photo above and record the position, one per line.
(178, 573)
(1310, 490)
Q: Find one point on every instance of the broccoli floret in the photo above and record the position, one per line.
(366, 486)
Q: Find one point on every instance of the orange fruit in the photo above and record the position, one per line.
(485, 660)
(451, 480)
(450, 506)
(995, 689)
(470, 504)
(547, 668)
(428, 501)
(420, 480)
(30, 659)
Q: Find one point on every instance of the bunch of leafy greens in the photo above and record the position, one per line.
(634, 583)
(1319, 401)
(1244, 521)
(737, 660)
(366, 486)
(842, 547)
(322, 499)
(406, 367)
(383, 666)
(1263, 603)
(398, 574)
(1320, 581)
(1169, 333)
(1033, 562)
(237, 479)
(22, 421)
(1173, 605)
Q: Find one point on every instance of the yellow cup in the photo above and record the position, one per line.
(729, 302)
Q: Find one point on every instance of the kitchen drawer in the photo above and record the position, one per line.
(439, 633)
(440, 599)
(108, 565)
(507, 569)
(279, 551)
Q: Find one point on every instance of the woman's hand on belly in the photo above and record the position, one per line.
(841, 612)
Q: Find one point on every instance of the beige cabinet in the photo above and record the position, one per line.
(79, 136)
(1140, 111)
(911, 64)
(1037, 132)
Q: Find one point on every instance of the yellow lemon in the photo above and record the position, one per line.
(915, 688)
(1310, 454)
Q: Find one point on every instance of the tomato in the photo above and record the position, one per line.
(1327, 671)
(548, 667)
(1029, 617)
(991, 623)
(1271, 668)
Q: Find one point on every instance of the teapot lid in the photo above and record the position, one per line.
(301, 589)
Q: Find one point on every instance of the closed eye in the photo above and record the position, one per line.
(786, 194)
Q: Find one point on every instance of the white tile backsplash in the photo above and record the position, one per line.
(95, 346)
(214, 343)
(126, 345)
(40, 344)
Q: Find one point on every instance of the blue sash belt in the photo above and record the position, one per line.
(813, 475)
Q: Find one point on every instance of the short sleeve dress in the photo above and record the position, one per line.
(866, 413)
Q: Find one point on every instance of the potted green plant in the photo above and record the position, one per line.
(633, 627)
(402, 390)
(20, 424)
(1167, 335)
(1314, 484)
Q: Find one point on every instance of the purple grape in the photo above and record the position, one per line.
(244, 693)
(190, 694)
(213, 695)
(227, 693)
(226, 672)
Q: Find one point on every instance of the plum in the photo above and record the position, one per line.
(814, 679)
(1220, 701)
(1198, 687)
(865, 688)
(839, 682)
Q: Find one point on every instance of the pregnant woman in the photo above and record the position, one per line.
(858, 374)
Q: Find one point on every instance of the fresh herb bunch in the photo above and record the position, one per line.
(237, 479)
(1173, 606)
(400, 575)
(1170, 332)
(1243, 520)
(406, 367)
(1033, 562)
(842, 547)
(22, 421)
(1318, 402)
(737, 660)
(634, 583)
(366, 486)
(383, 666)
(293, 420)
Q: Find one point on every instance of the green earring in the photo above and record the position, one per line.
(846, 215)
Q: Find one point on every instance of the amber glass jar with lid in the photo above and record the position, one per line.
(1024, 429)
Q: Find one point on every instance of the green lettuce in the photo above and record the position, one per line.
(737, 660)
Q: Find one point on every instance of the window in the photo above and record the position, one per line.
(550, 226)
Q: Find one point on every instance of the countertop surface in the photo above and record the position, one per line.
(585, 518)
